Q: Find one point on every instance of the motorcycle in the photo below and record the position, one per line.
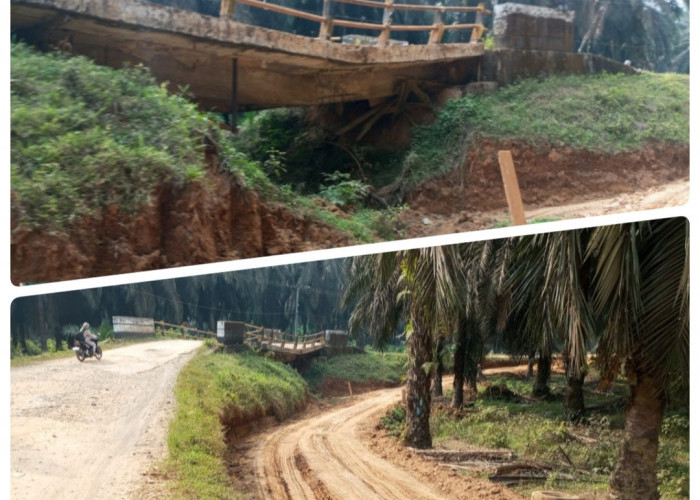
(82, 350)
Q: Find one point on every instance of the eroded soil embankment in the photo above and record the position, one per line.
(217, 219)
(210, 221)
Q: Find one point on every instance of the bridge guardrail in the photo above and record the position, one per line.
(327, 22)
(162, 327)
(260, 335)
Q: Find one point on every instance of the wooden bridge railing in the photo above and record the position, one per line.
(261, 335)
(162, 327)
(327, 22)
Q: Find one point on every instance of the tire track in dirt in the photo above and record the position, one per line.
(324, 456)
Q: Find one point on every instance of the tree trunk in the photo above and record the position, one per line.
(531, 364)
(574, 406)
(439, 370)
(473, 355)
(634, 477)
(544, 369)
(460, 349)
(418, 387)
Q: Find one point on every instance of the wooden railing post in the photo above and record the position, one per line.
(227, 8)
(478, 31)
(325, 31)
(385, 35)
(438, 28)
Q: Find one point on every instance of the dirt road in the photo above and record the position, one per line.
(91, 430)
(337, 454)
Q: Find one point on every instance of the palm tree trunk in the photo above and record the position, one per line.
(473, 355)
(574, 406)
(544, 369)
(418, 388)
(460, 350)
(531, 364)
(634, 477)
(439, 370)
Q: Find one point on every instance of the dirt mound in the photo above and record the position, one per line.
(557, 183)
(211, 221)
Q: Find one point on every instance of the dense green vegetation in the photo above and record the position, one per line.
(623, 288)
(213, 389)
(86, 137)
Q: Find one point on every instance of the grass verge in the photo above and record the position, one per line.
(215, 390)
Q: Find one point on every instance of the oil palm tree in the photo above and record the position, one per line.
(642, 289)
(548, 272)
(419, 285)
(480, 308)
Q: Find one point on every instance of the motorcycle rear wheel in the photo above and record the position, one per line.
(80, 355)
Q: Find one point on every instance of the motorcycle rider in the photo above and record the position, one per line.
(88, 336)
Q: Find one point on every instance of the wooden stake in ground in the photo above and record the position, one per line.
(510, 184)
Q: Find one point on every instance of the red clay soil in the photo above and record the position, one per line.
(211, 221)
(218, 219)
(555, 183)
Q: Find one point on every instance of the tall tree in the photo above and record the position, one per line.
(642, 288)
(422, 285)
(548, 273)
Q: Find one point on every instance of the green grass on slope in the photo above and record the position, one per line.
(385, 367)
(85, 136)
(605, 113)
(215, 385)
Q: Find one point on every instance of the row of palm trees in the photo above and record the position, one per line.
(621, 288)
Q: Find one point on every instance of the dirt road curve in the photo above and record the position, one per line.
(90, 430)
(324, 457)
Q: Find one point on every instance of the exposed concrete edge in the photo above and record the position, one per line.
(504, 9)
(137, 15)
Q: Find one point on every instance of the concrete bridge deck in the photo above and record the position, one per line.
(273, 68)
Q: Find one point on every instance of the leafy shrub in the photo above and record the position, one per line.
(32, 348)
(105, 331)
(343, 191)
(394, 422)
(675, 426)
